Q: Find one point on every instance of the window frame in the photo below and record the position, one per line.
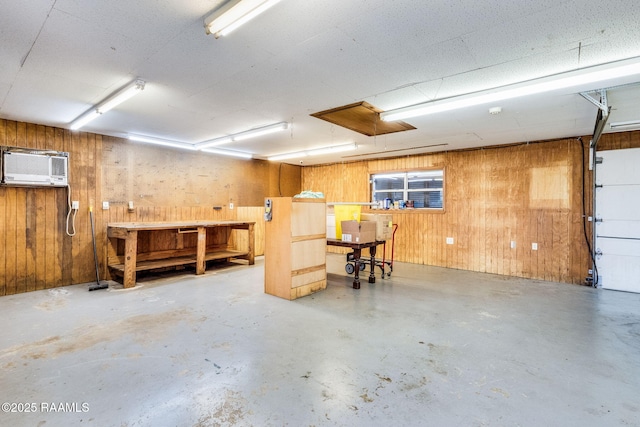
(406, 190)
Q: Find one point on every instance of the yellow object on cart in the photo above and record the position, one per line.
(345, 213)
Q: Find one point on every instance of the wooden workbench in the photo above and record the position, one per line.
(357, 253)
(138, 246)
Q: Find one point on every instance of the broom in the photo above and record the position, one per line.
(99, 284)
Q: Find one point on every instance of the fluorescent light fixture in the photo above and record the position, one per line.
(624, 125)
(186, 146)
(84, 119)
(160, 141)
(314, 152)
(333, 149)
(215, 142)
(231, 153)
(590, 75)
(233, 14)
(253, 133)
(115, 99)
(286, 156)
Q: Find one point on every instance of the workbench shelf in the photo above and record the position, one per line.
(135, 247)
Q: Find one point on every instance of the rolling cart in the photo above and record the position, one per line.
(350, 267)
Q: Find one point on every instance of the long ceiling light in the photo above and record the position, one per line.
(233, 14)
(567, 80)
(160, 141)
(115, 99)
(252, 133)
(187, 146)
(314, 152)
(214, 142)
(231, 153)
(625, 125)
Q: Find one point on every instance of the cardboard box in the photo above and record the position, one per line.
(384, 224)
(358, 232)
(345, 213)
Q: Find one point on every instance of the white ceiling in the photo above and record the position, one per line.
(60, 57)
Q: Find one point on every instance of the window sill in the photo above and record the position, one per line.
(411, 211)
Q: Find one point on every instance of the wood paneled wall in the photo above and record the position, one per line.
(38, 254)
(529, 193)
(164, 184)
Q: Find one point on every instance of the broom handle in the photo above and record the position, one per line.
(95, 249)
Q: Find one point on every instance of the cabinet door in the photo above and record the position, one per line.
(308, 219)
(316, 276)
(308, 253)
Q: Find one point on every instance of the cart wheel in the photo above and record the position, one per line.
(349, 268)
(362, 266)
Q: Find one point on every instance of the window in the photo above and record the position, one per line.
(423, 188)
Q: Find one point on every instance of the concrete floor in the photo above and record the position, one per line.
(428, 346)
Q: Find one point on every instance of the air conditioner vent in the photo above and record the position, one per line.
(59, 166)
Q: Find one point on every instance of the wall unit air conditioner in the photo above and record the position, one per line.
(27, 167)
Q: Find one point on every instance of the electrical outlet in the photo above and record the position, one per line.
(75, 205)
(449, 240)
(534, 246)
(105, 205)
(130, 206)
(513, 244)
(230, 205)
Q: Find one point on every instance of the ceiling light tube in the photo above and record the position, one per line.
(233, 14)
(164, 142)
(231, 153)
(112, 101)
(253, 133)
(127, 92)
(333, 149)
(285, 156)
(84, 119)
(566, 80)
(214, 142)
(314, 152)
(265, 130)
(618, 125)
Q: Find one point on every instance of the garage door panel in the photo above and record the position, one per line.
(614, 228)
(621, 273)
(619, 247)
(619, 202)
(619, 264)
(619, 166)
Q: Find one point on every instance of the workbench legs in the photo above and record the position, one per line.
(356, 258)
(130, 255)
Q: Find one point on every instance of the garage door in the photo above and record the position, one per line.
(618, 219)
